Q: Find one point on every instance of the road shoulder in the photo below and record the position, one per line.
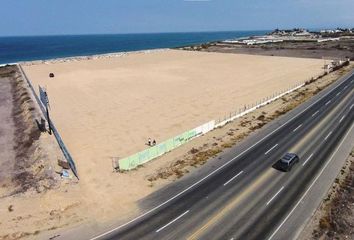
(293, 227)
(333, 217)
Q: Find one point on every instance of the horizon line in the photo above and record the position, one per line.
(134, 33)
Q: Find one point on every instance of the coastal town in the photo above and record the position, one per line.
(297, 35)
(333, 46)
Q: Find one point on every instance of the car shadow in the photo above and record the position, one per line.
(277, 167)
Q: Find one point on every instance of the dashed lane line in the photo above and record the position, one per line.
(307, 159)
(315, 113)
(297, 128)
(233, 178)
(271, 149)
(341, 119)
(275, 195)
(329, 134)
(174, 220)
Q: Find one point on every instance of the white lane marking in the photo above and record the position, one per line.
(315, 113)
(341, 119)
(219, 168)
(338, 93)
(329, 134)
(351, 106)
(174, 220)
(345, 87)
(233, 178)
(308, 189)
(297, 128)
(328, 102)
(307, 159)
(281, 189)
(271, 149)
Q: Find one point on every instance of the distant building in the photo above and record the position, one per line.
(327, 31)
(302, 34)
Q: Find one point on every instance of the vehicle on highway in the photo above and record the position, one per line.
(288, 161)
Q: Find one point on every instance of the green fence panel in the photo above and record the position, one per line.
(133, 161)
(144, 156)
(124, 163)
(153, 152)
(127, 163)
(185, 137)
(176, 141)
(162, 148)
(169, 145)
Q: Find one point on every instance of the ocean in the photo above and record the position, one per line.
(16, 49)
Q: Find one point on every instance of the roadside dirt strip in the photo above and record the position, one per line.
(23, 165)
(334, 219)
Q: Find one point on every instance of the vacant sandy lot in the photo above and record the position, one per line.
(109, 107)
(102, 197)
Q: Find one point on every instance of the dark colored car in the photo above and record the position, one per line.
(288, 161)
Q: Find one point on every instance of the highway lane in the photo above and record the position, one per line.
(236, 183)
(266, 187)
(266, 210)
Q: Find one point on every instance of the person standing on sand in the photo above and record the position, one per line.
(149, 141)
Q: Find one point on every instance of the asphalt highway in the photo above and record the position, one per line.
(247, 197)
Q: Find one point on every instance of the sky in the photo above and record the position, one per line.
(58, 17)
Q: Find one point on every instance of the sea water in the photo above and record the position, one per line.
(16, 49)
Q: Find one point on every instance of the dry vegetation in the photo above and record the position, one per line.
(244, 126)
(343, 48)
(337, 211)
(30, 172)
(29, 165)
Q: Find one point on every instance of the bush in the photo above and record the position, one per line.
(324, 223)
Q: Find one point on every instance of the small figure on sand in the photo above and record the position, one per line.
(149, 142)
(154, 142)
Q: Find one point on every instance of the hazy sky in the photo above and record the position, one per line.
(46, 17)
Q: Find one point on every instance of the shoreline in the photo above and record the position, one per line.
(111, 54)
(48, 48)
(86, 57)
